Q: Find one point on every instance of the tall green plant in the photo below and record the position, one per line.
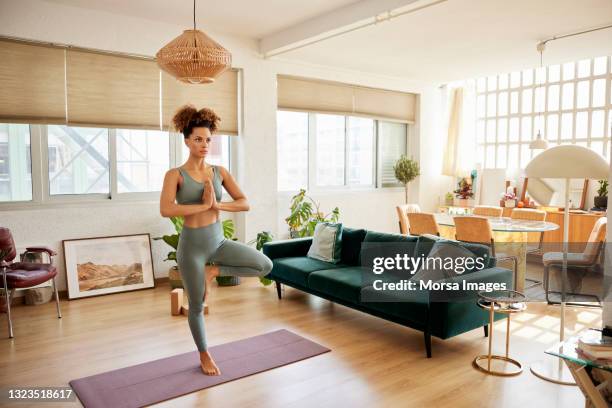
(406, 170)
(306, 213)
(259, 241)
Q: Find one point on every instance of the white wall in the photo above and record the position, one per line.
(255, 167)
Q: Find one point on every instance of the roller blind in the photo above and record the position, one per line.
(310, 95)
(112, 91)
(220, 96)
(31, 83)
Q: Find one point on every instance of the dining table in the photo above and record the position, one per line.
(511, 236)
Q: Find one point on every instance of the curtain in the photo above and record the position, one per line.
(459, 151)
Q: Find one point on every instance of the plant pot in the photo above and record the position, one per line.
(460, 202)
(228, 280)
(174, 277)
(601, 202)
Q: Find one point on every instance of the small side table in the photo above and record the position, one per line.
(506, 302)
(584, 370)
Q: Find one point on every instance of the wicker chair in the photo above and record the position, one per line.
(422, 223)
(488, 211)
(402, 213)
(478, 230)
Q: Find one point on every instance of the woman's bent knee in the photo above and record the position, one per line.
(266, 266)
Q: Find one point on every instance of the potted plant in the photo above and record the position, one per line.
(302, 219)
(448, 199)
(463, 193)
(509, 199)
(601, 200)
(174, 275)
(259, 241)
(406, 170)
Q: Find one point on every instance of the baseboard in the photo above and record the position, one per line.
(63, 294)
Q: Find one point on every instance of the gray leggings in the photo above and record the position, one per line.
(199, 246)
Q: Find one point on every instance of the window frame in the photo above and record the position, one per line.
(41, 197)
(546, 84)
(312, 185)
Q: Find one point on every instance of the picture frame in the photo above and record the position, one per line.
(105, 265)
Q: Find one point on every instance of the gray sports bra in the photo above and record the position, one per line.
(191, 191)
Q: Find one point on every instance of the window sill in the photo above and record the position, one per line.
(334, 191)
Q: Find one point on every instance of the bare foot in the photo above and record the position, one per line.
(208, 364)
(211, 272)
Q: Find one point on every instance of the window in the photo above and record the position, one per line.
(78, 160)
(360, 151)
(323, 151)
(330, 146)
(15, 163)
(566, 103)
(392, 145)
(292, 150)
(143, 156)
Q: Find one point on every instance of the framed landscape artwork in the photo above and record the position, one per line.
(104, 265)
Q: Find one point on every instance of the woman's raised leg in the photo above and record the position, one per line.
(237, 259)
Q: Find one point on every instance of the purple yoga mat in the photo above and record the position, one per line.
(170, 377)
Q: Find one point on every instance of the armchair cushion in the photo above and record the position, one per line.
(28, 274)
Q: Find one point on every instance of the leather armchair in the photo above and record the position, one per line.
(23, 274)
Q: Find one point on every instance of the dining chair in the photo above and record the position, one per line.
(488, 211)
(402, 213)
(478, 230)
(590, 258)
(531, 214)
(422, 223)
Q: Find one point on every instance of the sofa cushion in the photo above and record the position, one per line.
(351, 245)
(427, 241)
(373, 236)
(326, 242)
(296, 269)
(344, 283)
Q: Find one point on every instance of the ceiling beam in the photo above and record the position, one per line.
(337, 22)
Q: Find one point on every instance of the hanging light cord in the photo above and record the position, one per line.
(194, 26)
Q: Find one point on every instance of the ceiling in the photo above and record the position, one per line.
(461, 39)
(455, 39)
(248, 18)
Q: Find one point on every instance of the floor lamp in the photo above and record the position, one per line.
(564, 162)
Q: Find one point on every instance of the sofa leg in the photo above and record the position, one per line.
(428, 344)
(278, 289)
(486, 330)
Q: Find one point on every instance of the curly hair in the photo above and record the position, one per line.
(188, 117)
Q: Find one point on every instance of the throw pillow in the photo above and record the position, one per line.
(326, 242)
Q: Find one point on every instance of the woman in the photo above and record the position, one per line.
(203, 253)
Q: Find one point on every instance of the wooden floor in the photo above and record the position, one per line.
(373, 362)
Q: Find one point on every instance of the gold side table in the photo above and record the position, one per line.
(506, 302)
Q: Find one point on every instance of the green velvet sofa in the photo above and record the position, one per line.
(343, 283)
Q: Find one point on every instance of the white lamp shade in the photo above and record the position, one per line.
(568, 161)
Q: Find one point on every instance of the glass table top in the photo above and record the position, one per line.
(568, 350)
(506, 224)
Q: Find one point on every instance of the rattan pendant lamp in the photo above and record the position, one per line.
(193, 57)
